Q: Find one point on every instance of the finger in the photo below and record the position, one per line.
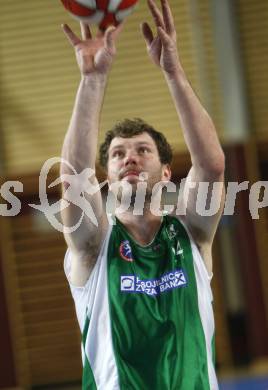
(156, 14)
(164, 37)
(73, 39)
(85, 31)
(108, 38)
(168, 17)
(147, 33)
(118, 30)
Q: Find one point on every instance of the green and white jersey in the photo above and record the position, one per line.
(146, 314)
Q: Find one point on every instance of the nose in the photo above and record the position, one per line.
(130, 158)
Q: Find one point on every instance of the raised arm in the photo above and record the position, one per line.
(198, 129)
(94, 57)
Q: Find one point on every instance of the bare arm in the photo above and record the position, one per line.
(198, 129)
(94, 57)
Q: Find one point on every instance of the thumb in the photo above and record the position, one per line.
(147, 33)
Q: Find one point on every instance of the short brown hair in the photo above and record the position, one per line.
(128, 128)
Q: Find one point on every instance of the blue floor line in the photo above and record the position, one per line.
(260, 383)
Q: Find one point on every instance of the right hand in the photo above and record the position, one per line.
(93, 55)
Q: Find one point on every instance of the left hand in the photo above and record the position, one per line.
(162, 48)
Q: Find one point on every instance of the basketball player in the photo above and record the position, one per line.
(142, 286)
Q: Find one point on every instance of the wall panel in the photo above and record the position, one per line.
(39, 78)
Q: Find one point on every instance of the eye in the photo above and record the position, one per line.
(143, 150)
(118, 154)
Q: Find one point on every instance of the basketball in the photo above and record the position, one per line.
(100, 12)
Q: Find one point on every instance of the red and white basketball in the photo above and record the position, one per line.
(100, 12)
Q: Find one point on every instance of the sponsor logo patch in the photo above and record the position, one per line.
(128, 283)
(171, 232)
(125, 251)
(169, 281)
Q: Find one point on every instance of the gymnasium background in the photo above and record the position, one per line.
(223, 46)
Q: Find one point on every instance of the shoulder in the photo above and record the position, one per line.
(201, 251)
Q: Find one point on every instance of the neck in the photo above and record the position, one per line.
(142, 228)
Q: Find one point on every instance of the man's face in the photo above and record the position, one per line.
(129, 157)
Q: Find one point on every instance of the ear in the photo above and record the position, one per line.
(166, 172)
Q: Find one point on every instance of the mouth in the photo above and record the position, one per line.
(130, 173)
